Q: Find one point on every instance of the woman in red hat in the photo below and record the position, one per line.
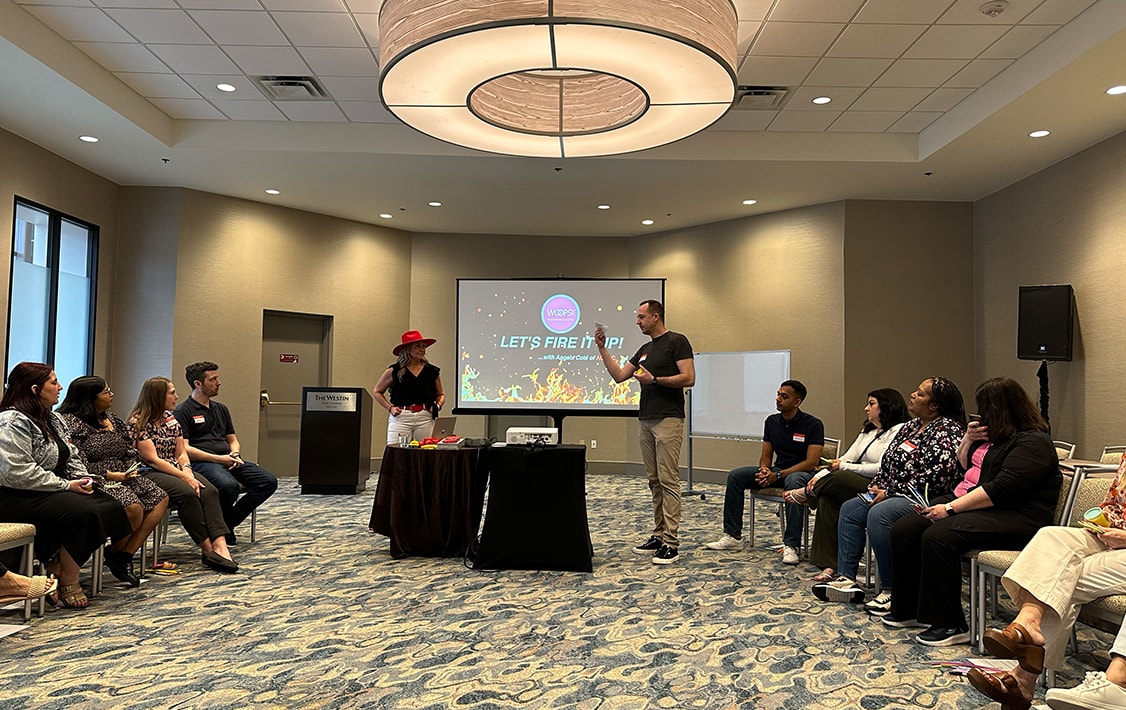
(410, 389)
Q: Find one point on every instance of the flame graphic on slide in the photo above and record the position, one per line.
(557, 390)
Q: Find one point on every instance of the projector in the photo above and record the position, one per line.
(531, 435)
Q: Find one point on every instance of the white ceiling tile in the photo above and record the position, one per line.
(367, 112)
(119, 56)
(803, 121)
(775, 71)
(160, 26)
(1057, 12)
(188, 109)
(220, 4)
(908, 12)
(954, 42)
(348, 88)
(1018, 41)
(364, 6)
(920, 72)
(968, 12)
(330, 61)
(735, 120)
(865, 121)
(306, 5)
(249, 110)
(369, 26)
(239, 27)
(752, 9)
(847, 72)
(842, 98)
(60, 3)
(80, 24)
(795, 39)
(915, 122)
(943, 99)
(245, 89)
(320, 29)
(878, 41)
(158, 86)
(147, 4)
(317, 111)
(747, 31)
(889, 100)
(195, 58)
(815, 10)
(978, 72)
(268, 60)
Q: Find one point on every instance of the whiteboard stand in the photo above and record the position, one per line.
(689, 491)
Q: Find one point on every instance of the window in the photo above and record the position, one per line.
(51, 297)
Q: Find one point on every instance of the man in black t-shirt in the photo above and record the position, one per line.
(664, 367)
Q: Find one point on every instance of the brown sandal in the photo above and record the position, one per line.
(1002, 687)
(1015, 642)
(72, 597)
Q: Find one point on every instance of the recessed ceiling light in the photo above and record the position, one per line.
(385, 216)
(1039, 134)
(1117, 90)
(434, 204)
(750, 202)
(604, 207)
(647, 222)
(820, 100)
(272, 191)
(88, 139)
(225, 87)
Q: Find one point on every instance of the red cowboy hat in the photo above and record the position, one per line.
(410, 338)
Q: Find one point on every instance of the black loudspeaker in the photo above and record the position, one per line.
(1045, 322)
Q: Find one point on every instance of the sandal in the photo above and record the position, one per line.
(38, 586)
(164, 566)
(1015, 642)
(1002, 687)
(72, 597)
(795, 495)
(826, 575)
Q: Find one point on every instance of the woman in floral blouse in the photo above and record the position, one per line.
(160, 443)
(923, 456)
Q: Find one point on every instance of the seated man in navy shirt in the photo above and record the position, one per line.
(792, 442)
(214, 448)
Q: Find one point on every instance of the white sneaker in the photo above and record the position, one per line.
(1094, 693)
(880, 606)
(725, 542)
(790, 556)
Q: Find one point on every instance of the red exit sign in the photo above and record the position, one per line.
(287, 357)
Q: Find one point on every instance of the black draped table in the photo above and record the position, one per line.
(536, 518)
(428, 501)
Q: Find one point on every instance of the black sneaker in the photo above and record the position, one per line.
(648, 547)
(943, 636)
(890, 619)
(841, 589)
(666, 555)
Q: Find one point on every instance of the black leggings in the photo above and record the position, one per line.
(78, 522)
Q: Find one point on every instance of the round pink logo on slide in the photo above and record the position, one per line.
(560, 313)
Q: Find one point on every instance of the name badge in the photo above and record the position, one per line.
(800, 438)
(197, 418)
(642, 358)
(169, 420)
(907, 446)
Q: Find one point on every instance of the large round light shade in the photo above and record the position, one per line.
(557, 78)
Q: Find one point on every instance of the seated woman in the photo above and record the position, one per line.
(1014, 496)
(15, 587)
(108, 454)
(156, 434)
(1057, 573)
(43, 482)
(851, 474)
(922, 455)
(415, 389)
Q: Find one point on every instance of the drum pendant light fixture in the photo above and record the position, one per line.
(557, 78)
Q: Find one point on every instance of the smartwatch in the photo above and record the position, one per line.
(949, 510)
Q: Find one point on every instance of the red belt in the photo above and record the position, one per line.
(414, 407)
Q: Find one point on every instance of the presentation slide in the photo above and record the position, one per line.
(528, 345)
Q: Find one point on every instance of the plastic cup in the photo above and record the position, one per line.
(1095, 516)
(404, 440)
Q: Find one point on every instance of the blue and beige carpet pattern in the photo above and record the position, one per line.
(322, 617)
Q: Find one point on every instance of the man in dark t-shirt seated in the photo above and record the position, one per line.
(792, 442)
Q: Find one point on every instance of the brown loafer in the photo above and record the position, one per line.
(1002, 687)
(1015, 642)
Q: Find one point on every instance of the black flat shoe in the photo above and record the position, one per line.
(121, 566)
(218, 563)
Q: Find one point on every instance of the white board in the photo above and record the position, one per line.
(734, 392)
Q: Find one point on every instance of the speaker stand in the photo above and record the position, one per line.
(1042, 375)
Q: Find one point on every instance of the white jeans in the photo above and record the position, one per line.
(418, 425)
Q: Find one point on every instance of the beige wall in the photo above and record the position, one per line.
(1066, 224)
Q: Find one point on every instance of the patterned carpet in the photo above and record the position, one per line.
(321, 616)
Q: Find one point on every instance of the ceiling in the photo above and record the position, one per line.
(931, 100)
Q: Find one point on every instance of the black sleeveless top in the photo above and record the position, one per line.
(420, 389)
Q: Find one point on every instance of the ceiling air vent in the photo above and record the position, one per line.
(760, 97)
(291, 88)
